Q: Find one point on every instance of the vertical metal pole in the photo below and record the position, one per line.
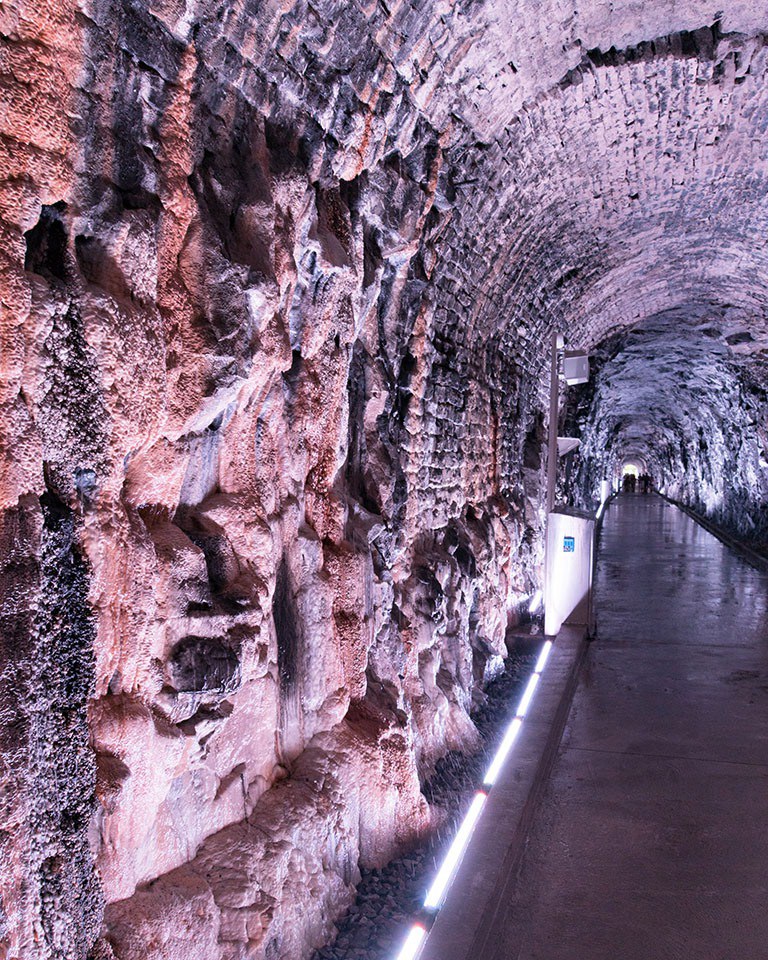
(553, 412)
(551, 478)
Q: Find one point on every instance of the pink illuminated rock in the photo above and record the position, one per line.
(276, 289)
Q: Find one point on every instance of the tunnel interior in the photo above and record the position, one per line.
(279, 287)
(681, 397)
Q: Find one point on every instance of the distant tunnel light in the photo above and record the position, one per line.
(543, 657)
(525, 700)
(452, 858)
(413, 942)
(501, 754)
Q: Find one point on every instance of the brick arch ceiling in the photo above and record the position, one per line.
(634, 185)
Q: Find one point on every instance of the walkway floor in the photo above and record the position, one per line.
(652, 840)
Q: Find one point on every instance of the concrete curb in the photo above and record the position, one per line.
(484, 881)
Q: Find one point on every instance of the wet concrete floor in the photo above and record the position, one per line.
(652, 839)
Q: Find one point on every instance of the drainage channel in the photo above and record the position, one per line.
(388, 899)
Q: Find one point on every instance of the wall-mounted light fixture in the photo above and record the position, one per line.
(575, 367)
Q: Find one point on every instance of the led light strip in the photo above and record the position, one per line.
(543, 657)
(535, 603)
(413, 942)
(501, 754)
(435, 896)
(525, 701)
(440, 884)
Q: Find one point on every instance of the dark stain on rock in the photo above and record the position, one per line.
(73, 418)
(62, 793)
(200, 664)
(287, 629)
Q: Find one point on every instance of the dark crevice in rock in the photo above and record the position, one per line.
(230, 585)
(685, 43)
(291, 377)
(287, 629)
(357, 475)
(372, 257)
(47, 253)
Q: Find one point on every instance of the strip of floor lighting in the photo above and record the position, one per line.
(440, 885)
(535, 603)
(413, 942)
(434, 898)
(514, 728)
(501, 754)
(525, 700)
(543, 657)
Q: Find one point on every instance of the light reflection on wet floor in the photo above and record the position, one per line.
(653, 837)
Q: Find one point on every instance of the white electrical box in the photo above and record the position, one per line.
(575, 367)
(568, 572)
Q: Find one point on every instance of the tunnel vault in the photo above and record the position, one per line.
(277, 282)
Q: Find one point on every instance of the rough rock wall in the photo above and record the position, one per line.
(241, 531)
(275, 284)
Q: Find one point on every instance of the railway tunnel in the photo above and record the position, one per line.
(278, 288)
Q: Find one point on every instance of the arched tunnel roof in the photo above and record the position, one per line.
(633, 185)
(600, 165)
(279, 281)
(620, 185)
(597, 168)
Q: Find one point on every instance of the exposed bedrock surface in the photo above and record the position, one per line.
(277, 281)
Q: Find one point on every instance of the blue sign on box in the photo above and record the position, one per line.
(569, 545)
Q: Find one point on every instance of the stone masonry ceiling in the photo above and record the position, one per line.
(277, 283)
